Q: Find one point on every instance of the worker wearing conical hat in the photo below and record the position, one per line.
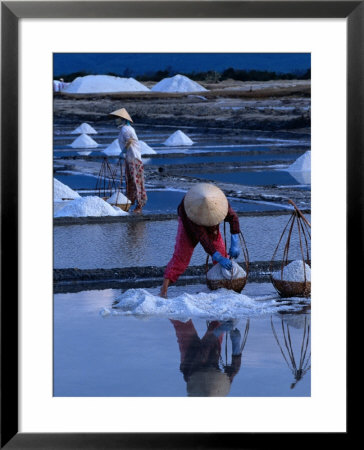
(134, 169)
(200, 357)
(200, 213)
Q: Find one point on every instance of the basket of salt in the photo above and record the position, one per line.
(234, 279)
(118, 199)
(293, 279)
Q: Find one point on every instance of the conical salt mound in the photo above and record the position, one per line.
(178, 138)
(85, 128)
(145, 149)
(92, 84)
(205, 204)
(178, 83)
(113, 149)
(84, 141)
(62, 191)
(89, 207)
(303, 163)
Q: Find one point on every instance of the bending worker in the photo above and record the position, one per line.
(201, 211)
(134, 169)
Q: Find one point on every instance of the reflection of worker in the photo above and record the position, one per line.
(201, 211)
(200, 358)
(134, 169)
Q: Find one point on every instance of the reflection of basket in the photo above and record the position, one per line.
(292, 288)
(236, 284)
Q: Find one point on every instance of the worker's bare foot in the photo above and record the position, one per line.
(137, 210)
(163, 293)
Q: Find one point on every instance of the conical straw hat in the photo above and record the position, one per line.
(122, 113)
(208, 383)
(206, 204)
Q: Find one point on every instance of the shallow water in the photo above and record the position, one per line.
(152, 243)
(250, 178)
(112, 355)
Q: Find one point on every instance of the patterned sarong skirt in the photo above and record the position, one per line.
(135, 190)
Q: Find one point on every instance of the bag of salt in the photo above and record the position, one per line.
(234, 279)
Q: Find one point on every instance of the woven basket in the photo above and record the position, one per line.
(123, 206)
(237, 284)
(292, 288)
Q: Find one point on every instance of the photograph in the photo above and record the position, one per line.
(181, 224)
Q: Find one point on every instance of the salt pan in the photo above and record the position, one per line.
(294, 272)
(178, 83)
(89, 207)
(91, 84)
(84, 141)
(62, 191)
(84, 128)
(113, 149)
(178, 138)
(118, 198)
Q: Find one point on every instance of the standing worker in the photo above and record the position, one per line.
(200, 213)
(134, 169)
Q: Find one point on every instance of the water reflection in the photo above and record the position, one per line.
(300, 366)
(136, 234)
(202, 366)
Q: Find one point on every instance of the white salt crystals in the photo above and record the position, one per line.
(92, 84)
(218, 273)
(63, 192)
(84, 141)
(84, 128)
(145, 149)
(118, 198)
(89, 207)
(113, 149)
(303, 163)
(294, 272)
(178, 83)
(178, 138)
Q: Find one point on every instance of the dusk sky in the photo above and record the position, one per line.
(140, 63)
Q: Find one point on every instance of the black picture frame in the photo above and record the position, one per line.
(11, 12)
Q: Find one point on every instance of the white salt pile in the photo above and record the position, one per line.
(178, 83)
(62, 191)
(118, 198)
(92, 84)
(178, 138)
(84, 141)
(84, 128)
(84, 153)
(113, 149)
(220, 305)
(145, 149)
(89, 207)
(303, 163)
(294, 272)
(218, 273)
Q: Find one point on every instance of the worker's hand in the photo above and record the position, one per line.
(235, 337)
(234, 247)
(224, 262)
(226, 325)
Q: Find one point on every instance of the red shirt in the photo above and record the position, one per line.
(206, 235)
